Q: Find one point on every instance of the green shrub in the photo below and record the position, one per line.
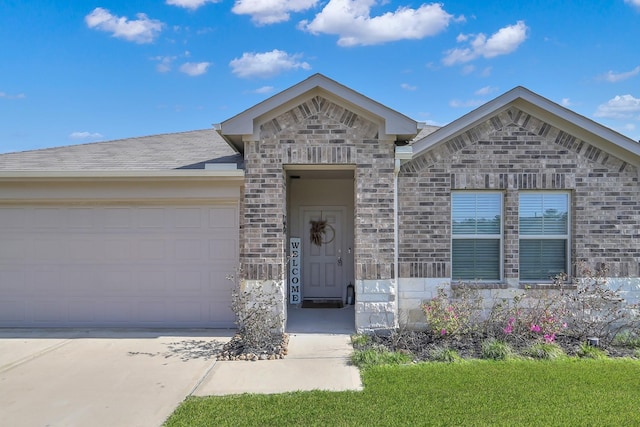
(360, 340)
(444, 354)
(590, 352)
(496, 350)
(628, 339)
(376, 357)
(545, 350)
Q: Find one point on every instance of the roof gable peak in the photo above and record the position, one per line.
(246, 125)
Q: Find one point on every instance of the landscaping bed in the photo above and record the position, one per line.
(421, 346)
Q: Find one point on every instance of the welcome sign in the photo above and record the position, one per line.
(294, 270)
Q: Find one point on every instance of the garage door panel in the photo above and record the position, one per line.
(47, 218)
(188, 311)
(12, 218)
(223, 250)
(49, 249)
(117, 266)
(12, 282)
(152, 249)
(50, 311)
(81, 250)
(189, 250)
(151, 218)
(223, 218)
(116, 249)
(116, 218)
(151, 281)
(80, 218)
(82, 311)
(187, 282)
(188, 218)
(13, 312)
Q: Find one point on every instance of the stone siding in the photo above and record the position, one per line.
(510, 152)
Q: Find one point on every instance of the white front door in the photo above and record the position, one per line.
(323, 265)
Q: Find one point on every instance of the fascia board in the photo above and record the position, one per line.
(226, 175)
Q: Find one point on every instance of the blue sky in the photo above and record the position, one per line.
(79, 71)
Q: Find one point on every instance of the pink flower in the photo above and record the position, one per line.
(549, 337)
(508, 329)
(535, 328)
(443, 332)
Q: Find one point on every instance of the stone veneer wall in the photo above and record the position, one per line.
(321, 132)
(515, 151)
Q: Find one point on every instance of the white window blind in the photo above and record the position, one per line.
(476, 235)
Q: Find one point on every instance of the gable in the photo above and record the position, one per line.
(548, 113)
(246, 125)
(511, 129)
(319, 117)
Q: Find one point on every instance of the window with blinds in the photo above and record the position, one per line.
(476, 224)
(544, 235)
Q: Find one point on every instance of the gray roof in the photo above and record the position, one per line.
(184, 150)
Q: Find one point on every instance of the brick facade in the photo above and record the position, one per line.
(510, 152)
(320, 132)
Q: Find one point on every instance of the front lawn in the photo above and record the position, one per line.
(569, 392)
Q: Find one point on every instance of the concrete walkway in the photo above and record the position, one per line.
(138, 377)
(314, 362)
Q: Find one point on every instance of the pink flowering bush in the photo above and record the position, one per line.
(447, 316)
(525, 317)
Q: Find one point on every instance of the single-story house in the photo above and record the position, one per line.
(316, 188)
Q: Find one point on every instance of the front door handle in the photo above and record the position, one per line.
(340, 260)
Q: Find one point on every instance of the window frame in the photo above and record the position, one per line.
(566, 237)
(499, 237)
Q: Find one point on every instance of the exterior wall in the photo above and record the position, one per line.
(319, 132)
(509, 152)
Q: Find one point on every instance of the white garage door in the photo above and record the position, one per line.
(117, 265)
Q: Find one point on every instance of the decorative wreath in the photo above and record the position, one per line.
(319, 230)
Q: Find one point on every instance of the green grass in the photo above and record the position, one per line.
(377, 357)
(567, 392)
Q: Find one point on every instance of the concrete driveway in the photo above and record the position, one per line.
(101, 377)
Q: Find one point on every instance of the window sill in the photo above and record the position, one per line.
(479, 285)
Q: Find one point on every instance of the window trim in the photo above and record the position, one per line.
(566, 237)
(499, 237)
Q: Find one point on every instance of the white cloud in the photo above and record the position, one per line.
(264, 89)
(164, 63)
(613, 77)
(566, 102)
(265, 12)
(407, 86)
(267, 64)
(351, 20)
(190, 4)
(635, 3)
(454, 103)
(141, 30)
(620, 107)
(17, 96)
(85, 135)
(487, 90)
(194, 68)
(502, 42)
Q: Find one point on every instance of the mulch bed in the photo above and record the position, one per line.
(420, 344)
